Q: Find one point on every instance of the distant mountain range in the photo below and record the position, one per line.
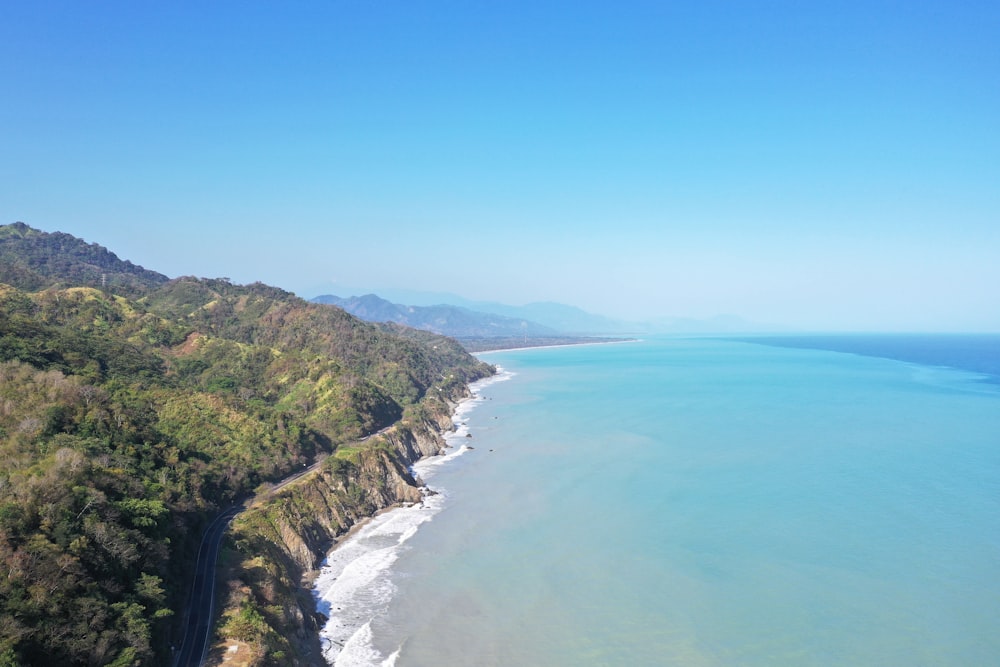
(542, 318)
(448, 320)
(452, 315)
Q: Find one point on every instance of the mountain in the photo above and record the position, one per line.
(32, 260)
(135, 408)
(554, 317)
(567, 319)
(447, 320)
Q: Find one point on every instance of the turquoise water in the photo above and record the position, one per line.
(702, 502)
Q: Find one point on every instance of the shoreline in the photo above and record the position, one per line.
(582, 343)
(309, 578)
(354, 573)
(358, 526)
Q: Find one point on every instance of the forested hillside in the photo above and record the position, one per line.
(133, 408)
(32, 260)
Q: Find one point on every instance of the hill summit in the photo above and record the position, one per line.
(31, 260)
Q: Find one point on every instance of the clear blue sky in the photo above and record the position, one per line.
(828, 165)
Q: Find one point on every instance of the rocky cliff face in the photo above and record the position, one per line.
(276, 546)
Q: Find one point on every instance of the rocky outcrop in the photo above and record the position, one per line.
(276, 546)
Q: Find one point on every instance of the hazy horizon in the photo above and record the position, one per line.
(823, 168)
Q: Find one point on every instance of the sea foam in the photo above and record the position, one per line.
(354, 586)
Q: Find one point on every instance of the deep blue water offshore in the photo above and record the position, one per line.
(697, 502)
(974, 352)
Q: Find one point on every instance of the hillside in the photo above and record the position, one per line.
(134, 409)
(32, 260)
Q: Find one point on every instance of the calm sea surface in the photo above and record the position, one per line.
(693, 502)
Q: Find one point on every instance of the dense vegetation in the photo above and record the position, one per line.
(132, 408)
(33, 260)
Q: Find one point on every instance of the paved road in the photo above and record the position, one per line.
(201, 603)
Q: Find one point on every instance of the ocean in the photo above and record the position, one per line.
(690, 502)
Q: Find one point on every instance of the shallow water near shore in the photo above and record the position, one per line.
(701, 502)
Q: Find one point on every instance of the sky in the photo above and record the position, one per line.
(820, 165)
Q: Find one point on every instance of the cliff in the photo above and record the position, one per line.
(275, 548)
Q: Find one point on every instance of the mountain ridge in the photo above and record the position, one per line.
(32, 259)
(443, 319)
(560, 318)
(568, 320)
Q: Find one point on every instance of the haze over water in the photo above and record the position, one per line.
(707, 502)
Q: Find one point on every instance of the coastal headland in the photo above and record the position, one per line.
(140, 410)
(275, 548)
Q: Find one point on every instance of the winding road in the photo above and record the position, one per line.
(201, 603)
